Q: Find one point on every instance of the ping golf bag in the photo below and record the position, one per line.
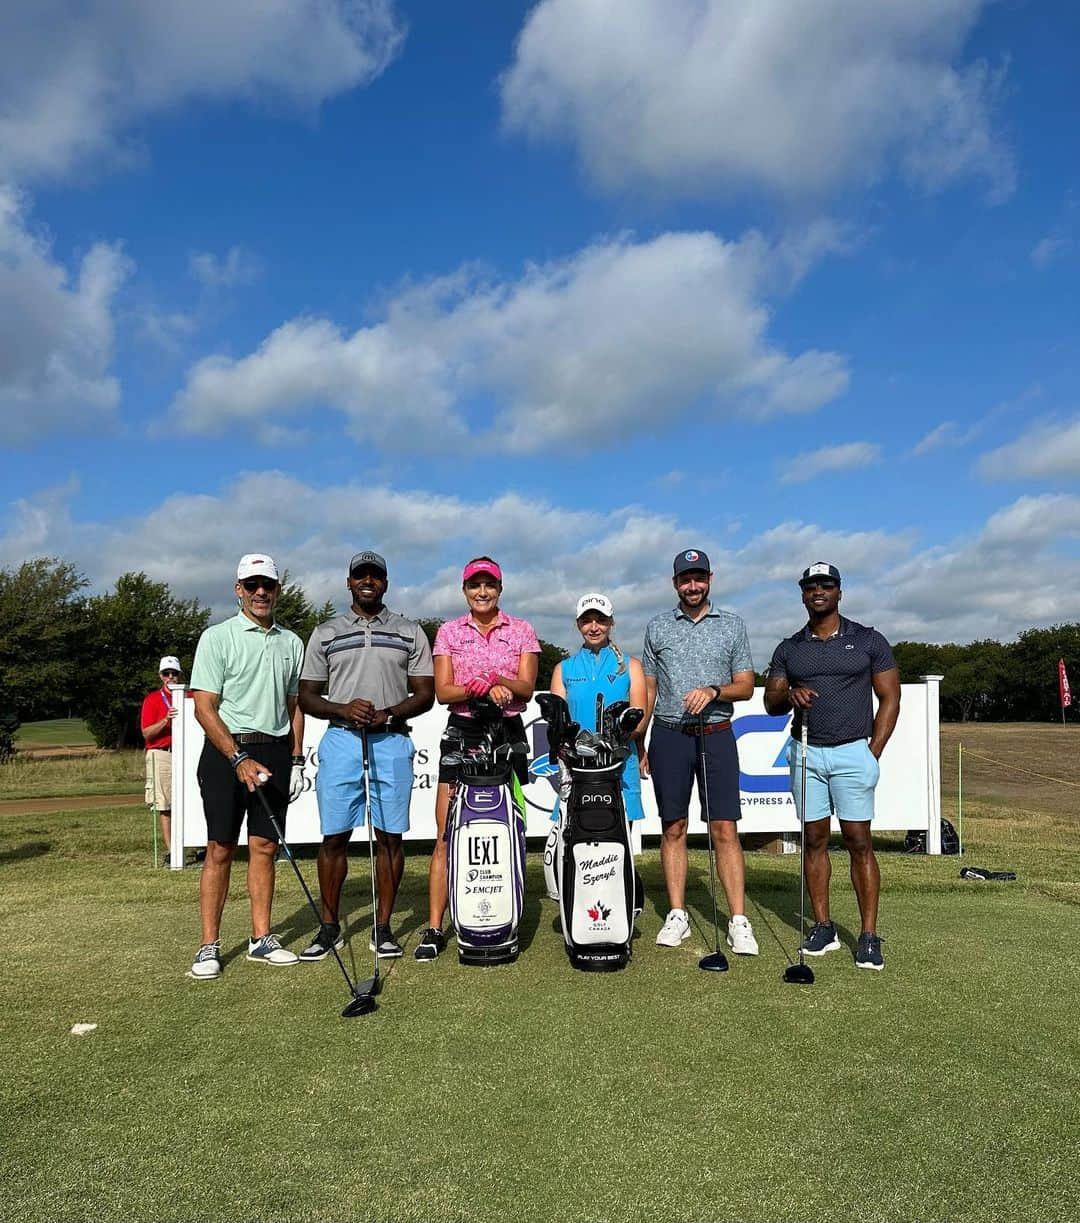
(485, 835)
(591, 858)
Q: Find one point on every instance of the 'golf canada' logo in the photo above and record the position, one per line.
(598, 912)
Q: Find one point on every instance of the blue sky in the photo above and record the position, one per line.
(576, 284)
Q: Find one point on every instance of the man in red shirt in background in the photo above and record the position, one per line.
(156, 722)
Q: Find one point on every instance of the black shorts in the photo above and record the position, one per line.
(226, 800)
(511, 730)
(674, 766)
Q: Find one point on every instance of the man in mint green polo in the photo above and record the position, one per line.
(245, 681)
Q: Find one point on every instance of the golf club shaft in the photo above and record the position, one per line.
(804, 723)
(371, 847)
(307, 891)
(704, 788)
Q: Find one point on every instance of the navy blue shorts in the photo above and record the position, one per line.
(674, 765)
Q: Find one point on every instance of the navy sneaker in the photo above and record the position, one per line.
(432, 945)
(868, 953)
(822, 938)
(327, 937)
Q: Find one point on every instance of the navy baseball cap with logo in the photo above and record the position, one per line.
(818, 570)
(691, 559)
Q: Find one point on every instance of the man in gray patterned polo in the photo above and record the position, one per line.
(697, 663)
(365, 672)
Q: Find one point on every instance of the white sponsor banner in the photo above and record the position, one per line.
(908, 794)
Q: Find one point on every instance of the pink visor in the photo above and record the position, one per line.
(475, 567)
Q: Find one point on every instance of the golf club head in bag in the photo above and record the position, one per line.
(556, 713)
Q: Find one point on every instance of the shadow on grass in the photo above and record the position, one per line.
(22, 853)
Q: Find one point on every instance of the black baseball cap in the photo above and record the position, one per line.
(691, 559)
(819, 569)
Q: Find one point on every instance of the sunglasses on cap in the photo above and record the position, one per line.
(253, 584)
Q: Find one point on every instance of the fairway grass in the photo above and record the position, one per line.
(943, 1088)
(99, 772)
(59, 732)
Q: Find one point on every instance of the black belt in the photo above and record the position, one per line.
(391, 728)
(256, 736)
(693, 729)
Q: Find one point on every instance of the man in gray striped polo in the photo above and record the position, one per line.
(365, 672)
(697, 663)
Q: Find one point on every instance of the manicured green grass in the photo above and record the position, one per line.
(30, 776)
(941, 1089)
(60, 732)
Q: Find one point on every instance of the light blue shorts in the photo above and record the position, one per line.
(839, 780)
(339, 783)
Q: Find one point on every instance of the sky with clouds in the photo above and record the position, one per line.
(576, 284)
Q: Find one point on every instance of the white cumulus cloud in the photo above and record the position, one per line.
(846, 457)
(77, 75)
(691, 96)
(610, 340)
(56, 332)
(1047, 450)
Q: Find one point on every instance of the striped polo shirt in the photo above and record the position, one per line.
(367, 659)
(683, 654)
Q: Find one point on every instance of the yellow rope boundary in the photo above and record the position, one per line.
(1016, 769)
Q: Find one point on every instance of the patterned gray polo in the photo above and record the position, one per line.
(371, 660)
(684, 654)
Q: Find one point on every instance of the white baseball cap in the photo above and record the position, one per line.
(595, 602)
(170, 663)
(256, 565)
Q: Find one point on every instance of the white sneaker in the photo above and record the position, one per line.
(740, 936)
(207, 964)
(675, 930)
(268, 950)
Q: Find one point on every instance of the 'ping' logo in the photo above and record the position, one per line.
(596, 798)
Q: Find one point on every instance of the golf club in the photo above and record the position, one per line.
(801, 973)
(715, 961)
(362, 1000)
(367, 989)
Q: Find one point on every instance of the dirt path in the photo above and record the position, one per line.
(79, 802)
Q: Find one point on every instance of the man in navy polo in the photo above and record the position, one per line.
(697, 662)
(826, 672)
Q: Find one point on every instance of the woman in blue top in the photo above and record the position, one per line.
(600, 668)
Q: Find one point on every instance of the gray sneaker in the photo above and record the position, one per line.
(207, 963)
(868, 954)
(326, 937)
(822, 938)
(384, 944)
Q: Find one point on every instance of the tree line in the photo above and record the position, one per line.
(994, 681)
(64, 653)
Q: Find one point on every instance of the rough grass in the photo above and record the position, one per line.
(941, 1089)
(99, 772)
(60, 732)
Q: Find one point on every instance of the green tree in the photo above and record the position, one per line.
(41, 623)
(295, 610)
(1035, 658)
(127, 631)
(9, 724)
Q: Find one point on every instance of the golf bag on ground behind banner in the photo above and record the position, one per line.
(485, 835)
(596, 876)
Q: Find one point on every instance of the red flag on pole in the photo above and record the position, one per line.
(1063, 685)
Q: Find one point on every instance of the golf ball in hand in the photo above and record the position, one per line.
(264, 777)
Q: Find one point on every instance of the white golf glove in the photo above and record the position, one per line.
(296, 779)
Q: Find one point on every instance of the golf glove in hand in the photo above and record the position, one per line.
(296, 782)
(478, 687)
